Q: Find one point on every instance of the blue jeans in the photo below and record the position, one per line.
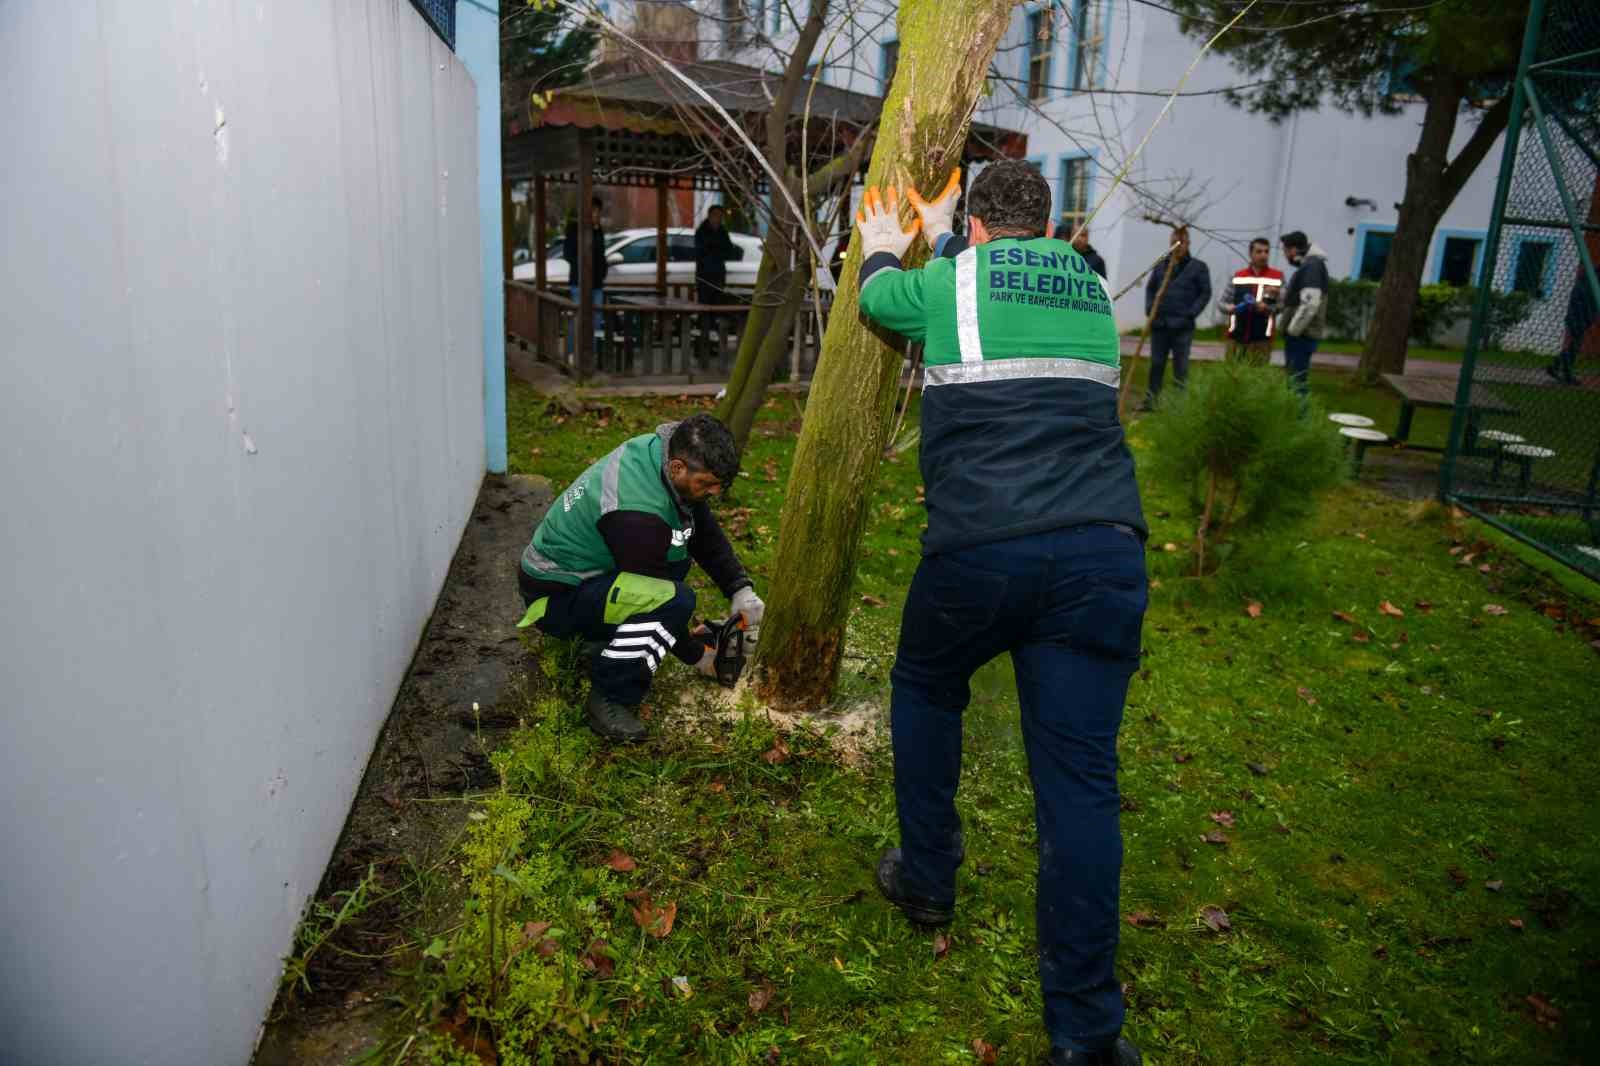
(599, 317)
(1165, 342)
(1297, 352)
(1068, 605)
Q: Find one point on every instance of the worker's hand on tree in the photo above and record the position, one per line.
(878, 222)
(938, 216)
(746, 603)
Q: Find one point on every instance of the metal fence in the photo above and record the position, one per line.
(441, 15)
(1524, 451)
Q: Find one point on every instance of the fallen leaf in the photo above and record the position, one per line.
(1494, 609)
(778, 753)
(1223, 818)
(1360, 637)
(1305, 694)
(1391, 610)
(1183, 757)
(533, 930)
(1253, 609)
(1516, 923)
(597, 961)
(1256, 768)
(1545, 1013)
(1457, 876)
(1458, 549)
(620, 861)
(1215, 836)
(760, 997)
(1345, 616)
(1485, 568)
(1424, 606)
(1169, 547)
(680, 985)
(1143, 920)
(716, 786)
(655, 919)
(873, 601)
(546, 948)
(987, 1053)
(1216, 919)
(1494, 886)
(941, 945)
(1381, 951)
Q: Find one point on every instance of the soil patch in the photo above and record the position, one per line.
(457, 703)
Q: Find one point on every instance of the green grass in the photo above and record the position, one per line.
(1393, 779)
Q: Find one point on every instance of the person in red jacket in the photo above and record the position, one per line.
(1250, 299)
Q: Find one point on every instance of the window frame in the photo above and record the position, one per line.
(1358, 257)
(1058, 210)
(1547, 271)
(1442, 238)
(1035, 55)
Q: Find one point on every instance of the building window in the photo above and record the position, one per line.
(891, 61)
(735, 25)
(1528, 274)
(1041, 41)
(1458, 260)
(1074, 194)
(1372, 253)
(1088, 44)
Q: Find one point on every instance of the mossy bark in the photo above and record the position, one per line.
(945, 51)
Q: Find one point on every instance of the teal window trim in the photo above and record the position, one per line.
(1059, 205)
(1080, 10)
(1361, 244)
(777, 17)
(883, 64)
(1547, 280)
(1439, 239)
(1044, 9)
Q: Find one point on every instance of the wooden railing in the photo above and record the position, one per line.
(643, 335)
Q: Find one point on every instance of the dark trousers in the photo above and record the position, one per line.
(1068, 605)
(1169, 342)
(627, 653)
(1297, 352)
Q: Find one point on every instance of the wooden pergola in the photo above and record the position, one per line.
(626, 127)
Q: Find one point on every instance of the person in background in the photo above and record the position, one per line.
(1081, 245)
(1305, 306)
(1249, 301)
(1172, 328)
(712, 250)
(569, 252)
(1580, 318)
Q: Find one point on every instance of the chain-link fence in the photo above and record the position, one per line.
(441, 15)
(1525, 440)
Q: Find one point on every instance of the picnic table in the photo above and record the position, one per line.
(1416, 391)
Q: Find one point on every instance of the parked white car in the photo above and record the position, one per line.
(631, 254)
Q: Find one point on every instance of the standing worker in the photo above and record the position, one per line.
(1250, 301)
(597, 252)
(608, 560)
(712, 250)
(1186, 299)
(1034, 546)
(1305, 307)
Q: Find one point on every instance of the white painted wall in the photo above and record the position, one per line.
(242, 429)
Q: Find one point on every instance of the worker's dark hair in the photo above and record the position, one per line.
(1261, 241)
(1296, 240)
(1012, 199)
(715, 207)
(703, 443)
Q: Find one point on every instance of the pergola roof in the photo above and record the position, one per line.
(643, 125)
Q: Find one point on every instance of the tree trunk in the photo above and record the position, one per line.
(945, 51)
(1432, 182)
(769, 350)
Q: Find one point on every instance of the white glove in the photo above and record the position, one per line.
(878, 222)
(748, 604)
(707, 666)
(938, 216)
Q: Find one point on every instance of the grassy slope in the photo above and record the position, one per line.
(1454, 746)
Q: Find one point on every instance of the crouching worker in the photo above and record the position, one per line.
(608, 561)
(1034, 547)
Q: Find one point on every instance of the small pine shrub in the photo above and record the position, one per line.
(1249, 455)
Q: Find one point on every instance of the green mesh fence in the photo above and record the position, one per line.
(1524, 448)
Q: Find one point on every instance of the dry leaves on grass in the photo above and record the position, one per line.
(654, 918)
(1346, 617)
(597, 959)
(760, 996)
(1494, 609)
(1545, 1014)
(987, 1053)
(1223, 818)
(1144, 920)
(1305, 694)
(1391, 610)
(777, 754)
(621, 861)
(1216, 919)
(1253, 609)
(873, 601)
(1215, 836)
(941, 945)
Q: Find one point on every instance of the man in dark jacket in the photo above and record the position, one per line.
(1034, 548)
(1172, 330)
(1081, 245)
(569, 252)
(712, 250)
(1305, 307)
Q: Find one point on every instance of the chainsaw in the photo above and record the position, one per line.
(726, 637)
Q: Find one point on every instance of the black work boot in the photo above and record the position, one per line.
(612, 720)
(919, 911)
(1122, 1054)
